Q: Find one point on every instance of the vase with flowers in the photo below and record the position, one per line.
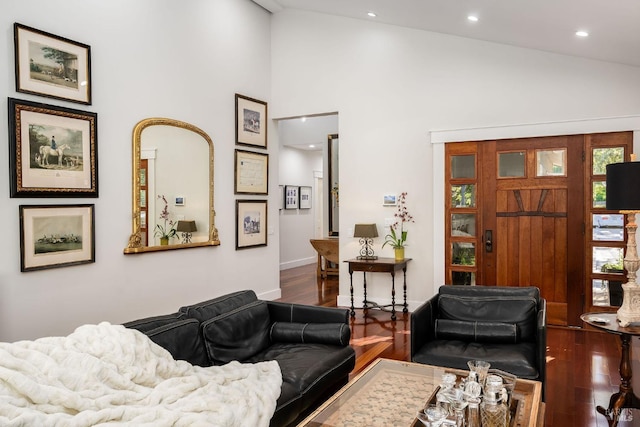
(167, 230)
(397, 237)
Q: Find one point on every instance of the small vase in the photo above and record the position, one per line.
(164, 241)
(399, 253)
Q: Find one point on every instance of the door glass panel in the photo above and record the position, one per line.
(603, 156)
(463, 166)
(599, 194)
(607, 292)
(551, 162)
(463, 278)
(463, 225)
(464, 253)
(463, 196)
(607, 260)
(607, 227)
(511, 165)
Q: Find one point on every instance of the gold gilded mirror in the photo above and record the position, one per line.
(172, 187)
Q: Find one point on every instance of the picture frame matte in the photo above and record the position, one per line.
(251, 121)
(389, 200)
(291, 198)
(51, 65)
(38, 170)
(53, 236)
(305, 197)
(251, 173)
(251, 223)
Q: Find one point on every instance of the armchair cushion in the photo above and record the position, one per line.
(497, 332)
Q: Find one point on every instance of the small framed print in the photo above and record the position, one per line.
(291, 196)
(251, 122)
(251, 223)
(51, 66)
(54, 236)
(305, 198)
(180, 201)
(52, 151)
(389, 200)
(251, 173)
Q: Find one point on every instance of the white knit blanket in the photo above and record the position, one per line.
(110, 375)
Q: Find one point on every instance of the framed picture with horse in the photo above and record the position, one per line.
(53, 151)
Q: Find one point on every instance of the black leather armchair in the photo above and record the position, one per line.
(505, 326)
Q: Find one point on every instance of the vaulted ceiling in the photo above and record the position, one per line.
(548, 25)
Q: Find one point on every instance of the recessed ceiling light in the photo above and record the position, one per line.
(372, 14)
(472, 18)
(582, 34)
(312, 146)
(303, 119)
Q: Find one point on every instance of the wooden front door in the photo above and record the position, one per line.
(533, 219)
(531, 212)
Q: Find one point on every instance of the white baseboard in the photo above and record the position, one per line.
(298, 263)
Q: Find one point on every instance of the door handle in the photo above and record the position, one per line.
(488, 241)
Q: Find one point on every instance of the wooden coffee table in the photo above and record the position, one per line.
(390, 392)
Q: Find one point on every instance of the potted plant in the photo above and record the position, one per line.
(168, 230)
(397, 236)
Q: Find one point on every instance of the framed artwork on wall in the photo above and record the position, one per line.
(305, 197)
(251, 173)
(389, 200)
(251, 223)
(291, 196)
(52, 151)
(251, 122)
(51, 66)
(54, 236)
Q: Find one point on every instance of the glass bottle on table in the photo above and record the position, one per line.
(448, 382)
(493, 409)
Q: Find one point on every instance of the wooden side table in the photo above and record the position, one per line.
(624, 398)
(380, 265)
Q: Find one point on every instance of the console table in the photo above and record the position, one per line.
(624, 398)
(380, 265)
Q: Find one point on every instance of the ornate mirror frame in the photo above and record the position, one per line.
(135, 240)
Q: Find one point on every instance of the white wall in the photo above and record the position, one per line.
(184, 60)
(392, 86)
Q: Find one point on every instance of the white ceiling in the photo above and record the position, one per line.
(548, 25)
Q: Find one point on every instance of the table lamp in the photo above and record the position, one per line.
(623, 196)
(366, 233)
(186, 228)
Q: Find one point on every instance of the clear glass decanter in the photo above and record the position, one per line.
(493, 409)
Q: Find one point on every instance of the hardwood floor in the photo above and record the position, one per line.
(582, 365)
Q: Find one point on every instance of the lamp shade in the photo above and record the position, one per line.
(186, 226)
(622, 186)
(365, 230)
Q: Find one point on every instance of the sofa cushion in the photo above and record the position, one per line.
(321, 333)
(496, 332)
(214, 307)
(520, 310)
(182, 339)
(517, 359)
(149, 323)
(238, 334)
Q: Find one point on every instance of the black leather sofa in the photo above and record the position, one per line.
(310, 344)
(505, 326)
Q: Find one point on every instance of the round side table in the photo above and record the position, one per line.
(624, 398)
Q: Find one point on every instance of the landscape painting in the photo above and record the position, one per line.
(56, 236)
(52, 66)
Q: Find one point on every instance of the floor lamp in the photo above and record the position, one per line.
(623, 196)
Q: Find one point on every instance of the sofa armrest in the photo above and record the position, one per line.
(542, 343)
(299, 313)
(423, 324)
